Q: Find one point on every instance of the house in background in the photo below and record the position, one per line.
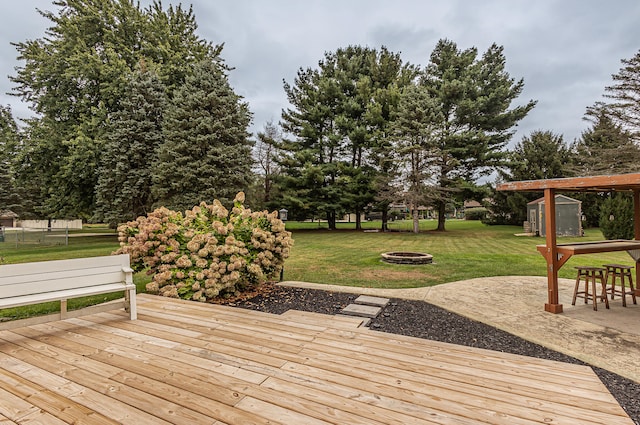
(8, 218)
(568, 216)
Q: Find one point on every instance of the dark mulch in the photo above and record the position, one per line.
(423, 320)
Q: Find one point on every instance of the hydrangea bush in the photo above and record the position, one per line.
(207, 252)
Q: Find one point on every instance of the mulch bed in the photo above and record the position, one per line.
(423, 320)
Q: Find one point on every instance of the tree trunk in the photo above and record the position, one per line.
(331, 220)
(385, 219)
(416, 221)
(442, 207)
(358, 219)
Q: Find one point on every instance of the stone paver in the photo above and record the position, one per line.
(361, 310)
(374, 301)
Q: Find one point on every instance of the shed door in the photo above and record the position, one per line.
(533, 220)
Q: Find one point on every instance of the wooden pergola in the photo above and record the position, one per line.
(557, 255)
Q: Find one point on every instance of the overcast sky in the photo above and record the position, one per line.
(565, 50)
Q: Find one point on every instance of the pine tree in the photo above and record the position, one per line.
(340, 116)
(9, 197)
(605, 148)
(206, 152)
(541, 155)
(124, 184)
(625, 96)
(475, 97)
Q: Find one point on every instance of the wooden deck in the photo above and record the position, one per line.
(189, 363)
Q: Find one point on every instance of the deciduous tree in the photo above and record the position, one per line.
(266, 154)
(416, 135)
(75, 76)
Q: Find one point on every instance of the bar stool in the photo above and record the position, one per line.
(621, 272)
(590, 274)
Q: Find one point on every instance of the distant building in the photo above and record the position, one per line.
(472, 204)
(568, 216)
(8, 218)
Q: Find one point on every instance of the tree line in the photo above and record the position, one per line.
(134, 110)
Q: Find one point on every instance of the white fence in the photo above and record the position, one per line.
(55, 224)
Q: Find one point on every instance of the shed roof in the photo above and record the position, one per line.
(560, 199)
(8, 214)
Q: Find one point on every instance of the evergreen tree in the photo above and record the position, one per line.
(541, 155)
(206, 152)
(605, 148)
(9, 197)
(616, 216)
(625, 96)
(75, 77)
(474, 97)
(339, 117)
(133, 136)
(310, 161)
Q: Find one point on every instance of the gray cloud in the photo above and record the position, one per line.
(565, 50)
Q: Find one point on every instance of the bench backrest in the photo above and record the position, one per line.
(50, 276)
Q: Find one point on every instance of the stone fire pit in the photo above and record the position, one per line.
(407, 258)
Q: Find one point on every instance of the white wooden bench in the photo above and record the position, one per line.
(60, 280)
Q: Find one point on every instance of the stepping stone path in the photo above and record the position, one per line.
(365, 306)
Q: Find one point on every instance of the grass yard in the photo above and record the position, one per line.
(468, 249)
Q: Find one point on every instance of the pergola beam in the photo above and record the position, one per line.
(620, 182)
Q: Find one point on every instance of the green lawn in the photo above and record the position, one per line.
(468, 249)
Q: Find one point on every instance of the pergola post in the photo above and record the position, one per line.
(636, 233)
(553, 306)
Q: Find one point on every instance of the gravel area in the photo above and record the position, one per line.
(423, 320)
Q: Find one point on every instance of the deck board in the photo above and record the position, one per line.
(191, 363)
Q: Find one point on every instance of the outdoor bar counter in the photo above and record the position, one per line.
(557, 255)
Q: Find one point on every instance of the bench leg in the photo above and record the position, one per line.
(130, 303)
(63, 309)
